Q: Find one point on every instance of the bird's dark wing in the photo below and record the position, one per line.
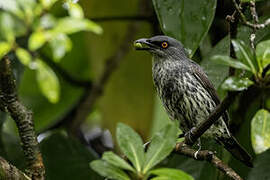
(204, 81)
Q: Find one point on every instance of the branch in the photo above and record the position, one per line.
(9, 171)
(212, 118)
(209, 156)
(23, 120)
(246, 22)
(112, 63)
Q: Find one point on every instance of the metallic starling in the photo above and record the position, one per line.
(186, 92)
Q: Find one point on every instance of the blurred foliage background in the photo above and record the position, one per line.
(77, 71)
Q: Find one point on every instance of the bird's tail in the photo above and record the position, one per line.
(232, 145)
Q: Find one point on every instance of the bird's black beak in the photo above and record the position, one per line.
(143, 44)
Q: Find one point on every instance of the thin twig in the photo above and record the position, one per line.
(86, 106)
(209, 156)
(255, 21)
(246, 22)
(23, 119)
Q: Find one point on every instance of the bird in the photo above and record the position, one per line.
(186, 92)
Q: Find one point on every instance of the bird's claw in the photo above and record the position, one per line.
(200, 147)
(189, 135)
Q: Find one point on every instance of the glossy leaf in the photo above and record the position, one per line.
(69, 25)
(24, 56)
(168, 174)
(215, 72)
(228, 61)
(263, 54)
(261, 167)
(117, 161)
(244, 54)
(107, 170)
(60, 44)
(236, 84)
(260, 131)
(66, 158)
(47, 81)
(131, 145)
(161, 146)
(5, 47)
(187, 21)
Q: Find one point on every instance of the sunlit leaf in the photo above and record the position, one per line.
(236, 84)
(107, 170)
(228, 61)
(37, 40)
(244, 54)
(5, 47)
(131, 145)
(47, 21)
(12, 6)
(168, 174)
(161, 145)
(74, 10)
(48, 3)
(60, 44)
(7, 27)
(47, 81)
(69, 25)
(263, 54)
(24, 56)
(115, 160)
(260, 131)
(187, 21)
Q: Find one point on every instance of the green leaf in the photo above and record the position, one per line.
(244, 54)
(109, 171)
(74, 10)
(24, 56)
(263, 54)
(161, 146)
(47, 81)
(228, 61)
(131, 145)
(168, 173)
(115, 160)
(47, 4)
(5, 47)
(261, 167)
(38, 39)
(7, 27)
(66, 158)
(260, 131)
(187, 21)
(236, 84)
(60, 44)
(69, 25)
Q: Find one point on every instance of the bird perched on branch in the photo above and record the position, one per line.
(186, 92)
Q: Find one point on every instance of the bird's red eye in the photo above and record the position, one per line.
(164, 45)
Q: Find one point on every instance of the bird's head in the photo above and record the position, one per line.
(162, 47)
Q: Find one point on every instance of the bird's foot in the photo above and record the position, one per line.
(200, 147)
(189, 135)
(146, 145)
